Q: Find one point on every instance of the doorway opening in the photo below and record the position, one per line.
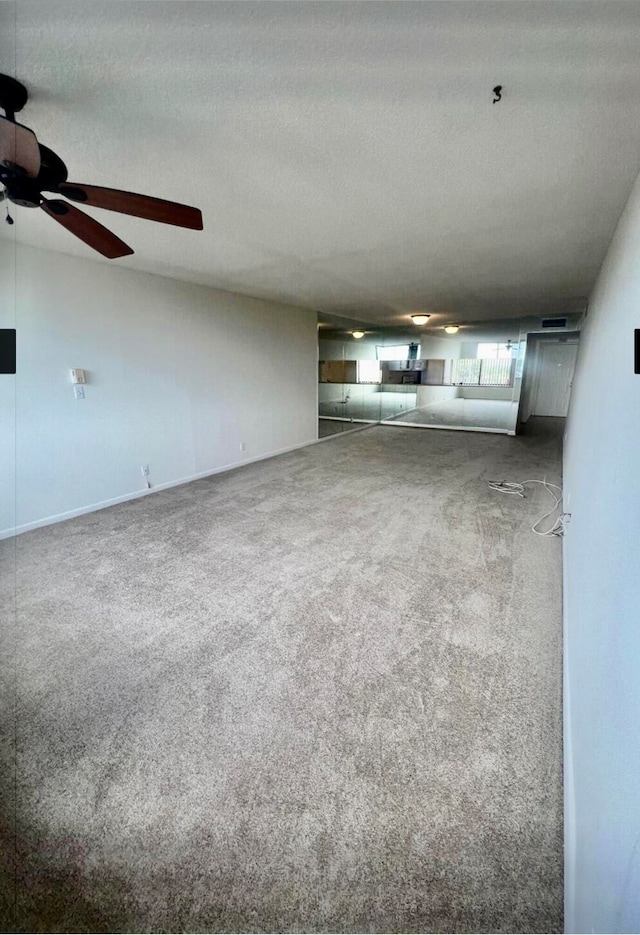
(548, 375)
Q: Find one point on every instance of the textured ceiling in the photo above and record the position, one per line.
(346, 156)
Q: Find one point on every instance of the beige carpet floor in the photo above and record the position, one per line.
(319, 693)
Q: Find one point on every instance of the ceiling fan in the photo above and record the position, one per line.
(28, 168)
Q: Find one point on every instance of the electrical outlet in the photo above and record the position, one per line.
(78, 392)
(243, 446)
(144, 470)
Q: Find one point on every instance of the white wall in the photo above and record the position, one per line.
(346, 348)
(490, 392)
(436, 394)
(602, 602)
(179, 376)
(447, 346)
(470, 348)
(332, 392)
(7, 391)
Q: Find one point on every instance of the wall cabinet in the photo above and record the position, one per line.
(338, 371)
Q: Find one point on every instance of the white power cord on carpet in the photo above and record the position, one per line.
(558, 527)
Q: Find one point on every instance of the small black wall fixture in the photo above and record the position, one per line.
(7, 350)
(637, 351)
(498, 94)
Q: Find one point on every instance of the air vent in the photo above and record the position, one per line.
(554, 322)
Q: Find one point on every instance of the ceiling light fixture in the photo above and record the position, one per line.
(357, 334)
(420, 319)
(452, 329)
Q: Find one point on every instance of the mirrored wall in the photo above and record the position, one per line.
(469, 379)
(353, 390)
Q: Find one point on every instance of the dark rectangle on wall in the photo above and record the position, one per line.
(554, 322)
(637, 350)
(7, 350)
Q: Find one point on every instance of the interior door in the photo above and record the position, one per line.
(555, 376)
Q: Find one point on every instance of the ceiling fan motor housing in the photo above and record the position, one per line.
(21, 190)
(13, 95)
(25, 191)
(27, 169)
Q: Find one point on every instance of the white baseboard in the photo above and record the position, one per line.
(567, 760)
(343, 419)
(369, 421)
(135, 494)
(404, 413)
(358, 428)
(449, 428)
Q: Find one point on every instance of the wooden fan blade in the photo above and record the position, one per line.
(84, 227)
(19, 147)
(139, 206)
